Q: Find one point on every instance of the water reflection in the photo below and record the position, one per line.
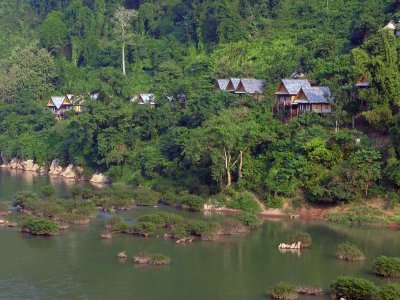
(296, 252)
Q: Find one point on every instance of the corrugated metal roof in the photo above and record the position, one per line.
(252, 85)
(293, 86)
(58, 101)
(222, 84)
(235, 82)
(94, 96)
(316, 94)
(148, 98)
(391, 25)
(362, 82)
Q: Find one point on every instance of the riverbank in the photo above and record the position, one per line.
(371, 213)
(71, 172)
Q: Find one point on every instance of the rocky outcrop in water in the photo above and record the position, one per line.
(290, 246)
(100, 178)
(55, 168)
(69, 172)
(14, 163)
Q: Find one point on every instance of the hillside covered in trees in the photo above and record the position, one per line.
(195, 138)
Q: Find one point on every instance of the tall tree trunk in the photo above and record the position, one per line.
(123, 59)
(227, 158)
(228, 178)
(240, 165)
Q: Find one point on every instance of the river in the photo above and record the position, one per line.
(78, 264)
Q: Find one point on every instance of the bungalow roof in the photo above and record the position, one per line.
(391, 25)
(57, 101)
(222, 84)
(362, 82)
(315, 94)
(293, 86)
(233, 84)
(251, 86)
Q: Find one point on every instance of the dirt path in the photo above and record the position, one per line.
(269, 212)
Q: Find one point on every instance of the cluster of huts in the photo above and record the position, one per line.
(241, 86)
(295, 96)
(60, 105)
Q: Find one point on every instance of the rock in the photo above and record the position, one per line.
(311, 291)
(12, 224)
(27, 165)
(69, 172)
(100, 178)
(35, 168)
(14, 163)
(55, 168)
(290, 246)
(63, 226)
(106, 236)
(141, 259)
(122, 255)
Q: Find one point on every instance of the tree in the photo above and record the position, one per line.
(54, 32)
(29, 73)
(122, 19)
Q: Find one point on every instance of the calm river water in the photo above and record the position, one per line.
(77, 264)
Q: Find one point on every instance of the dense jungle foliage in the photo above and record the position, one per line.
(194, 136)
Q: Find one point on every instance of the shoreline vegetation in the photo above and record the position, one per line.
(46, 214)
(118, 196)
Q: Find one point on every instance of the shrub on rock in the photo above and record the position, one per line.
(352, 288)
(387, 266)
(39, 226)
(349, 252)
(284, 291)
(300, 236)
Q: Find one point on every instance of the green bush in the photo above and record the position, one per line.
(248, 219)
(359, 215)
(180, 231)
(171, 218)
(205, 230)
(48, 191)
(387, 266)
(350, 252)
(112, 221)
(245, 202)
(300, 236)
(160, 259)
(49, 209)
(156, 219)
(390, 291)
(121, 227)
(352, 288)
(144, 228)
(146, 197)
(80, 192)
(39, 226)
(274, 202)
(162, 219)
(284, 291)
(191, 201)
(26, 200)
